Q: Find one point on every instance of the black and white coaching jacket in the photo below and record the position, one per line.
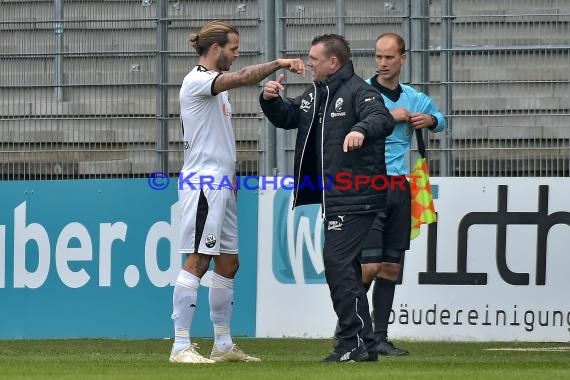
(323, 115)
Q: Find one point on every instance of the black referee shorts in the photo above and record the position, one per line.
(390, 231)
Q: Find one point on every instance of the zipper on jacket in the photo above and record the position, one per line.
(305, 145)
(322, 152)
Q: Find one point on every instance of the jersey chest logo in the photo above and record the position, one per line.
(226, 111)
(338, 108)
(306, 104)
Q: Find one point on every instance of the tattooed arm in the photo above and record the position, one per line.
(255, 73)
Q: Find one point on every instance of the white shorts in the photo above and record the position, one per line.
(208, 223)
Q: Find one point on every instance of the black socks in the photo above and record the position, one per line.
(382, 299)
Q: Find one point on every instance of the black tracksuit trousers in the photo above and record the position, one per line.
(344, 235)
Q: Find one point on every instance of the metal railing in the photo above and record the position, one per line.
(89, 89)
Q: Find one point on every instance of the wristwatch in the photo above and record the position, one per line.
(433, 121)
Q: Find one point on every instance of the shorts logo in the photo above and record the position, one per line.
(210, 241)
(336, 224)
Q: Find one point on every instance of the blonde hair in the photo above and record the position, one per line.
(213, 32)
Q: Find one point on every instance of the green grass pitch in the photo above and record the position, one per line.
(282, 359)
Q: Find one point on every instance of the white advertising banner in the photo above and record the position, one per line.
(495, 267)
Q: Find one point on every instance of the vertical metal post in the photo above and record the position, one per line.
(268, 148)
(281, 165)
(419, 43)
(339, 14)
(446, 154)
(58, 54)
(162, 87)
(406, 35)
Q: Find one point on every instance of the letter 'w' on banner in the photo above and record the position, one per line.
(423, 209)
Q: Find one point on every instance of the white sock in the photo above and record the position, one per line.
(221, 304)
(183, 307)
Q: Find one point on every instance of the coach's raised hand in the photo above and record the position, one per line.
(294, 65)
(272, 88)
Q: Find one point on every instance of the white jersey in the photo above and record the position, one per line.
(209, 142)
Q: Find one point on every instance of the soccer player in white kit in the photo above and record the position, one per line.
(208, 228)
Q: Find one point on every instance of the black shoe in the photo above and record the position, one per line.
(386, 347)
(372, 356)
(357, 354)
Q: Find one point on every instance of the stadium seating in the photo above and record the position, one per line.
(510, 74)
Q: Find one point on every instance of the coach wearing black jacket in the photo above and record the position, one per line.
(341, 127)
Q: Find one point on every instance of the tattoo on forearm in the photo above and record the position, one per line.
(256, 73)
(247, 76)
